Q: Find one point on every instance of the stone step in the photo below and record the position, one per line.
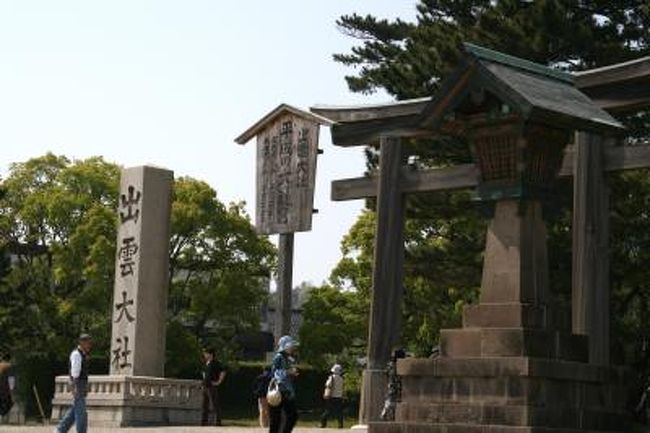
(513, 366)
(513, 342)
(513, 390)
(509, 415)
(469, 428)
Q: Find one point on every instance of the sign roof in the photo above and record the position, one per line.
(273, 114)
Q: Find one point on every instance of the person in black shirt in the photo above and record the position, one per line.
(213, 376)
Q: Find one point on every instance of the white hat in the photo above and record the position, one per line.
(286, 342)
(337, 369)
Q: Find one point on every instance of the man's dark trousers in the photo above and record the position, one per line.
(211, 403)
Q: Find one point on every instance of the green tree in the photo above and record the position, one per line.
(445, 231)
(58, 224)
(332, 324)
(220, 266)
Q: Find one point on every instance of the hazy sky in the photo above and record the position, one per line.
(172, 83)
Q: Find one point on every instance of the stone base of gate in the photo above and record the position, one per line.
(125, 401)
(508, 395)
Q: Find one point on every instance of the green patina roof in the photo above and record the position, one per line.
(518, 63)
(535, 91)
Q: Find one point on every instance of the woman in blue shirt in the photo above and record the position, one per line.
(284, 371)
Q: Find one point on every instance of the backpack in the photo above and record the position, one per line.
(261, 385)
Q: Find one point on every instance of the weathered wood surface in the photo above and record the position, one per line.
(622, 97)
(614, 74)
(388, 267)
(271, 117)
(284, 285)
(621, 87)
(466, 175)
(435, 179)
(369, 131)
(626, 157)
(590, 229)
(629, 74)
(287, 152)
(617, 88)
(357, 113)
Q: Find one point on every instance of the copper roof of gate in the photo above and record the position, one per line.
(535, 92)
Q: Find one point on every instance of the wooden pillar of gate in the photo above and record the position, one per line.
(387, 286)
(590, 292)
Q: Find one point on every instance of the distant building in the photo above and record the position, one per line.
(269, 317)
(257, 345)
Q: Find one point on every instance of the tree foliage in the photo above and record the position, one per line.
(445, 231)
(219, 265)
(409, 59)
(58, 225)
(332, 321)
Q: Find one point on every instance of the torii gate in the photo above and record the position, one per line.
(618, 89)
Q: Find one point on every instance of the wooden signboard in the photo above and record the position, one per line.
(286, 173)
(287, 150)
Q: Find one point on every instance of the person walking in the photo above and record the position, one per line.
(260, 388)
(283, 371)
(333, 396)
(79, 385)
(213, 376)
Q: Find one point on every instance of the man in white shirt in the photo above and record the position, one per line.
(79, 384)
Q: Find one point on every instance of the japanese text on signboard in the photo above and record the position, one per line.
(286, 169)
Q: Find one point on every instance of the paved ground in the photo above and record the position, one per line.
(50, 429)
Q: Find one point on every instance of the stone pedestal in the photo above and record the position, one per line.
(121, 401)
(514, 367)
(507, 395)
(373, 395)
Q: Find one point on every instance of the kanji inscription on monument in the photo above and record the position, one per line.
(141, 272)
(286, 171)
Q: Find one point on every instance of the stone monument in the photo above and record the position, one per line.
(135, 392)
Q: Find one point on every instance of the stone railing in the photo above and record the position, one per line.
(148, 391)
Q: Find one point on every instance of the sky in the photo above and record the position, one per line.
(172, 83)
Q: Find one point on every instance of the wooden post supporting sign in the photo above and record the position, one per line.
(285, 284)
(287, 150)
